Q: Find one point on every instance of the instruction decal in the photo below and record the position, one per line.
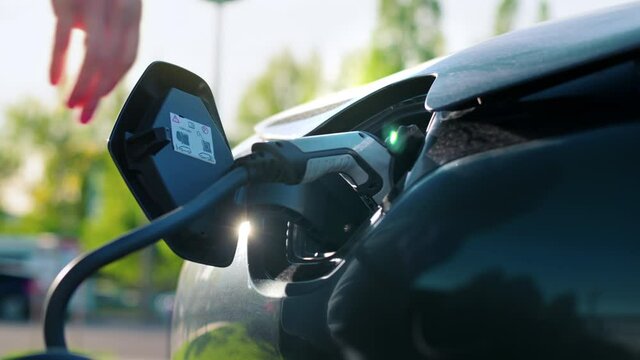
(192, 138)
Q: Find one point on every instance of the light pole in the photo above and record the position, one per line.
(217, 74)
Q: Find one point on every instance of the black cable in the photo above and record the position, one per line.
(85, 265)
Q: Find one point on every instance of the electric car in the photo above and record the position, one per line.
(484, 205)
(512, 230)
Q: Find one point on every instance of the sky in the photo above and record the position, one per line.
(182, 32)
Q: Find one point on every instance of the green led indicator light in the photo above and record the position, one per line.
(393, 137)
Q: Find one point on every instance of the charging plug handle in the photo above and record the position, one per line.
(357, 155)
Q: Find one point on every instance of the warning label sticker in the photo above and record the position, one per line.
(192, 138)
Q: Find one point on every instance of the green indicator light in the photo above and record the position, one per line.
(393, 137)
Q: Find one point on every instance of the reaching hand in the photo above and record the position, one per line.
(112, 32)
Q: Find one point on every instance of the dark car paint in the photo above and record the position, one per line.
(524, 252)
(508, 259)
(533, 58)
(517, 249)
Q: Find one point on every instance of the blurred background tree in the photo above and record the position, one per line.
(407, 33)
(505, 16)
(508, 10)
(286, 82)
(80, 194)
(544, 13)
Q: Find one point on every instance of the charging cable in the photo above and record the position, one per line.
(78, 270)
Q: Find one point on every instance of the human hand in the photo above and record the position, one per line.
(111, 44)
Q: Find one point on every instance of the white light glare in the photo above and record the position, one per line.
(244, 230)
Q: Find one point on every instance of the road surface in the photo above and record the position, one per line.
(113, 341)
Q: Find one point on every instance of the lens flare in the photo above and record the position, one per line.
(244, 230)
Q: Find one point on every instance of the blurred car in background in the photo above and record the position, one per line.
(14, 301)
(28, 265)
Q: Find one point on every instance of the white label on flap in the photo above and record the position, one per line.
(192, 138)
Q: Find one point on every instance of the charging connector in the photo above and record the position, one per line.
(356, 155)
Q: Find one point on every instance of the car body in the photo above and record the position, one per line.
(514, 236)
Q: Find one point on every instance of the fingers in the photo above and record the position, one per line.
(112, 35)
(115, 44)
(96, 56)
(126, 50)
(126, 28)
(129, 49)
(87, 111)
(60, 46)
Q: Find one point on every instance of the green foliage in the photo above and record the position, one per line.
(505, 16)
(33, 131)
(544, 13)
(8, 163)
(229, 341)
(508, 10)
(81, 194)
(407, 33)
(285, 83)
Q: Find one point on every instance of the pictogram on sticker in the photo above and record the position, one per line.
(192, 138)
